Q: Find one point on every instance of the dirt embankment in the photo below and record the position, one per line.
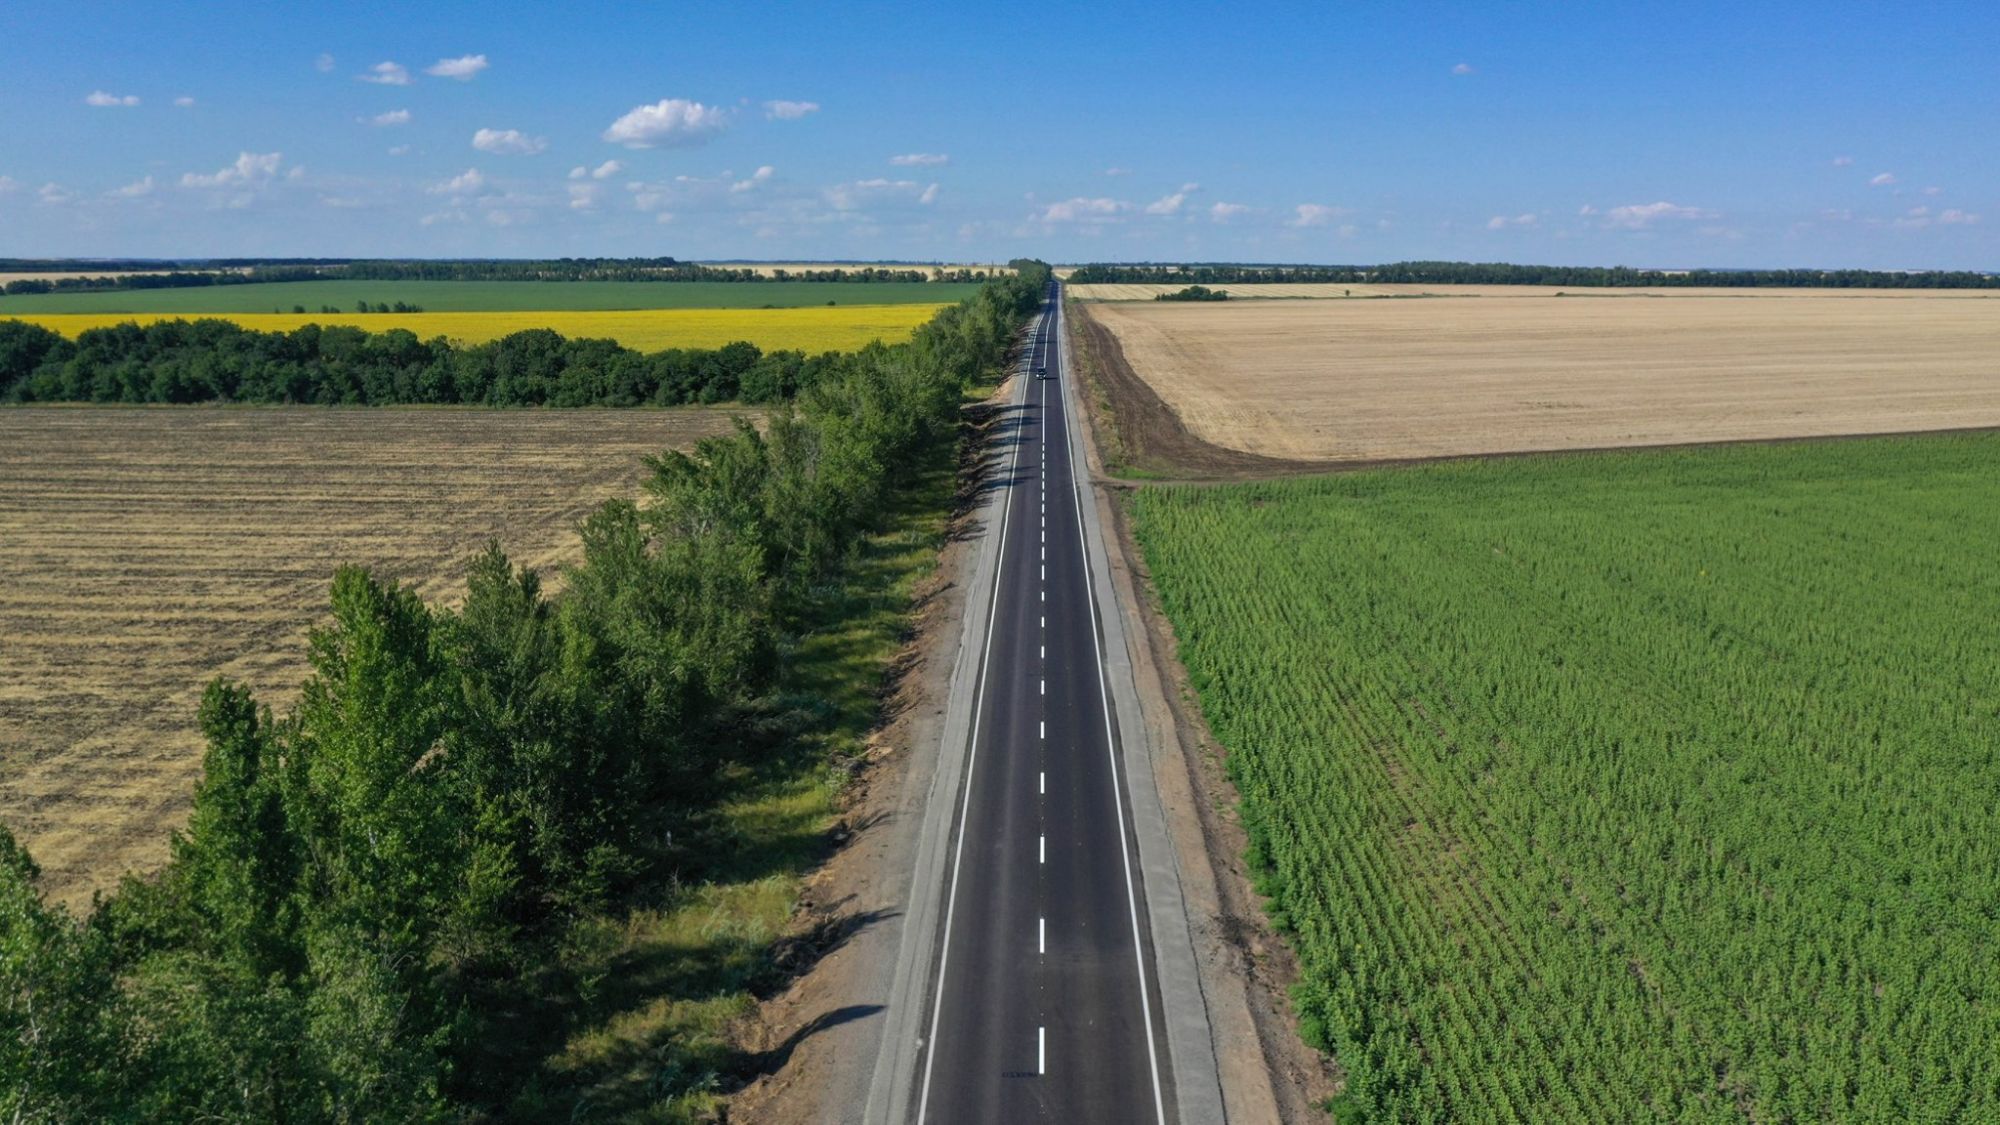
(1135, 427)
(1268, 1072)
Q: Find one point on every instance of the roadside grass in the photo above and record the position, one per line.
(636, 1007)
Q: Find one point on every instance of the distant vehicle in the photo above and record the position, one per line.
(1041, 372)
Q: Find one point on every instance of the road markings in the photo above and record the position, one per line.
(965, 801)
(1042, 782)
(1041, 1050)
(1044, 728)
(1045, 687)
(1041, 849)
(1117, 807)
(1041, 935)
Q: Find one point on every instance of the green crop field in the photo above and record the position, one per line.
(1621, 787)
(490, 296)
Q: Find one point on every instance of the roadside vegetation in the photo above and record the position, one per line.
(519, 859)
(481, 296)
(1619, 787)
(1194, 293)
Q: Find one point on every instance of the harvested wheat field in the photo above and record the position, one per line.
(1288, 290)
(143, 551)
(1343, 381)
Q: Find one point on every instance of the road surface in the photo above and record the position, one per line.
(1045, 1005)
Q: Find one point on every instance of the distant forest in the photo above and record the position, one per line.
(245, 271)
(1501, 273)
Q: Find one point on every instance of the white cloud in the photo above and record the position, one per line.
(393, 117)
(465, 183)
(1502, 222)
(462, 68)
(183, 102)
(250, 169)
(400, 150)
(1933, 191)
(781, 110)
(324, 63)
(1883, 179)
(134, 190)
(1586, 210)
(386, 74)
(1223, 212)
(9, 183)
(929, 196)
(1171, 204)
(759, 176)
(1081, 209)
(860, 193)
(603, 171)
(1462, 69)
(54, 194)
(583, 197)
(508, 142)
(1638, 216)
(920, 159)
(669, 121)
(101, 99)
(1314, 215)
(1952, 216)
(1842, 161)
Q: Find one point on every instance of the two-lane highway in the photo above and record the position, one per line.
(1045, 1005)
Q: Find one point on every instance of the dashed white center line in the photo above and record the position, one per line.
(1041, 849)
(1041, 935)
(1045, 687)
(1042, 782)
(1041, 1050)
(1041, 728)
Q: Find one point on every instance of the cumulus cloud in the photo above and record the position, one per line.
(920, 159)
(929, 196)
(667, 122)
(386, 74)
(508, 142)
(393, 117)
(103, 100)
(465, 183)
(781, 110)
(1952, 216)
(9, 183)
(1081, 209)
(1882, 179)
(1502, 222)
(763, 173)
(861, 193)
(54, 194)
(324, 63)
(134, 190)
(583, 197)
(183, 102)
(462, 68)
(1118, 171)
(1171, 204)
(1638, 216)
(1842, 161)
(1223, 212)
(250, 169)
(1462, 69)
(603, 171)
(1933, 191)
(1314, 215)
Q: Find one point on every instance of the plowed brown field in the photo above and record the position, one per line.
(143, 551)
(1334, 381)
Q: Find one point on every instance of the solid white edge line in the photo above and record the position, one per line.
(965, 801)
(1111, 752)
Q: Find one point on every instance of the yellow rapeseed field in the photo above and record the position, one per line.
(813, 329)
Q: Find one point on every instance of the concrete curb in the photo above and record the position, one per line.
(1184, 1009)
(890, 1090)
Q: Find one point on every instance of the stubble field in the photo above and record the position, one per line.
(144, 551)
(1362, 380)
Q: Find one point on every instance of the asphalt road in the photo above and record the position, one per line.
(1046, 1004)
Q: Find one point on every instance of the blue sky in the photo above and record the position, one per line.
(1739, 134)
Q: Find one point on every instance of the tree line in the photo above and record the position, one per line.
(1502, 273)
(252, 272)
(183, 361)
(365, 882)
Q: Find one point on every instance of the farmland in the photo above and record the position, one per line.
(1281, 290)
(489, 296)
(144, 550)
(1360, 380)
(1615, 787)
(811, 329)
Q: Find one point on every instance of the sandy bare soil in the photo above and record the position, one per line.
(1326, 290)
(143, 551)
(1342, 381)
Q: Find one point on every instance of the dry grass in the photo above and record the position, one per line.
(1326, 290)
(143, 551)
(1364, 380)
